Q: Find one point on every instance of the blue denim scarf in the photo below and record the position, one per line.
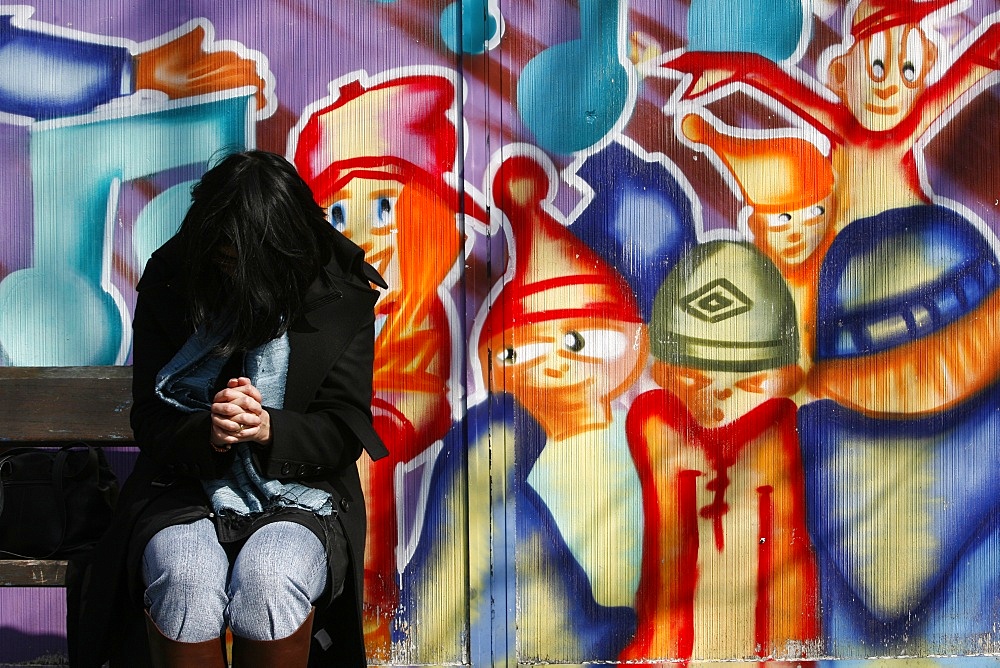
(187, 382)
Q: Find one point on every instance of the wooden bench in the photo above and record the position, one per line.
(55, 406)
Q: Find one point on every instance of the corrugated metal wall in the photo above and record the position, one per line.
(689, 347)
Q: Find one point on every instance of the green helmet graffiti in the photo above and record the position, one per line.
(724, 307)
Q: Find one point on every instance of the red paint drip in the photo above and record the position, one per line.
(688, 564)
(765, 564)
(718, 508)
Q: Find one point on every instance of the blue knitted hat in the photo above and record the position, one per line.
(897, 277)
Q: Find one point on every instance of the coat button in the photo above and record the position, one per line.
(302, 470)
(286, 468)
(345, 505)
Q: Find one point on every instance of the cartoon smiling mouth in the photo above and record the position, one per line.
(882, 111)
(794, 250)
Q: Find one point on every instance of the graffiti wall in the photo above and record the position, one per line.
(688, 351)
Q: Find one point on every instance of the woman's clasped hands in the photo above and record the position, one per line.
(238, 416)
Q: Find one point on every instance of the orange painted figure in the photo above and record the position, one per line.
(891, 81)
(568, 338)
(886, 96)
(728, 570)
(376, 156)
(565, 339)
(788, 185)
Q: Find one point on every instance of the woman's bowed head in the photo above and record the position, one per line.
(255, 239)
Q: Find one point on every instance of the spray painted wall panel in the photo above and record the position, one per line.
(688, 347)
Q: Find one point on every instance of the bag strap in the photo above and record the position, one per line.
(7, 456)
(58, 474)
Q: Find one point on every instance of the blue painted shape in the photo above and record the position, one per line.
(951, 459)
(598, 633)
(572, 94)
(56, 317)
(48, 76)
(468, 26)
(63, 311)
(771, 28)
(923, 266)
(640, 219)
(159, 220)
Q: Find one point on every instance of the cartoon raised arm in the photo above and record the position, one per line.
(53, 73)
(889, 80)
(189, 64)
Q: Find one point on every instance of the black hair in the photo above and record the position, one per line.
(254, 240)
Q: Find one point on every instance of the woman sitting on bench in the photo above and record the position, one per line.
(252, 385)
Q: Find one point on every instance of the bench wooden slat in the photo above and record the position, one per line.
(42, 406)
(33, 572)
(65, 404)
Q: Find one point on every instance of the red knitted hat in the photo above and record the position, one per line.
(556, 276)
(874, 16)
(401, 129)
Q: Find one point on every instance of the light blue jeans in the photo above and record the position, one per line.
(192, 593)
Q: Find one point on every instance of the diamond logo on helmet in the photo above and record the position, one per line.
(703, 321)
(716, 301)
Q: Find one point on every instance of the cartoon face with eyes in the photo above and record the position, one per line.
(724, 332)
(790, 238)
(716, 398)
(567, 371)
(365, 211)
(881, 76)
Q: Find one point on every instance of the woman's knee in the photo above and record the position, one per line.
(184, 569)
(276, 577)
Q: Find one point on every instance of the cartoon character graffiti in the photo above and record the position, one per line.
(564, 338)
(379, 154)
(728, 569)
(890, 86)
(891, 81)
(788, 184)
(906, 306)
(559, 344)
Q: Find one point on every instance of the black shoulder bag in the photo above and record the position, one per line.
(54, 503)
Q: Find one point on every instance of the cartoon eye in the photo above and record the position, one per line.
(338, 216)
(384, 210)
(573, 341)
(691, 379)
(598, 344)
(521, 354)
(876, 56)
(913, 61)
(754, 384)
(778, 222)
(816, 211)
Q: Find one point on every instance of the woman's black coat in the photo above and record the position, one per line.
(318, 435)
